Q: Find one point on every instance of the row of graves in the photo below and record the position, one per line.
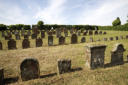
(39, 42)
(94, 55)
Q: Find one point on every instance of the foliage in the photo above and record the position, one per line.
(40, 24)
(116, 22)
(26, 27)
(3, 27)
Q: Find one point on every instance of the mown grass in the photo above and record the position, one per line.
(117, 75)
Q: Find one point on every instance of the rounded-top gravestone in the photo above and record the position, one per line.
(11, 44)
(29, 69)
(73, 39)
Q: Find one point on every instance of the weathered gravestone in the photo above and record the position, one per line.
(100, 32)
(1, 47)
(34, 36)
(66, 32)
(78, 33)
(8, 36)
(30, 69)
(26, 36)
(105, 33)
(111, 38)
(50, 40)
(64, 65)
(117, 54)
(39, 42)
(95, 56)
(117, 38)
(90, 32)
(105, 39)
(73, 39)
(61, 40)
(91, 39)
(17, 37)
(58, 33)
(11, 44)
(83, 40)
(42, 34)
(126, 36)
(50, 33)
(1, 76)
(85, 33)
(96, 32)
(29, 32)
(26, 43)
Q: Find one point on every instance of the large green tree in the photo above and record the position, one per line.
(116, 22)
(40, 24)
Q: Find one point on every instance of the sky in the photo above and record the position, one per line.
(68, 12)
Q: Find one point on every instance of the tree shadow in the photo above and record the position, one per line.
(10, 80)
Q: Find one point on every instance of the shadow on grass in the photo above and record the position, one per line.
(10, 80)
(48, 75)
(112, 65)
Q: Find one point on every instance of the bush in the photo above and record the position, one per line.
(116, 22)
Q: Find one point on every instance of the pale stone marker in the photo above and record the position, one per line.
(29, 69)
(50, 40)
(95, 56)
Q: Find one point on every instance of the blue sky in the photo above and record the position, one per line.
(92, 12)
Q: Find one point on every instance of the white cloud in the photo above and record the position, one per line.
(106, 13)
(53, 13)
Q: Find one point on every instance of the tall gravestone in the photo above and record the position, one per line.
(11, 44)
(1, 76)
(61, 40)
(95, 56)
(26, 43)
(50, 40)
(39, 42)
(1, 47)
(73, 39)
(117, 54)
(29, 69)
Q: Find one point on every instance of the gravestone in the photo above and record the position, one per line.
(29, 32)
(8, 36)
(34, 36)
(91, 39)
(96, 32)
(73, 39)
(50, 40)
(17, 37)
(95, 56)
(100, 32)
(1, 47)
(29, 69)
(111, 38)
(61, 40)
(42, 34)
(105, 33)
(11, 44)
(79, 33)
(90, 32)
(117, 38)
(85, 33)
(66, 32)
(105, 39)
(126, 36)
(83, 40)
(1, 76)
(50, 33)
(58, 33)
(64, 65)
(26, 36)
(26, 43)
(39, 42)
(117, 54)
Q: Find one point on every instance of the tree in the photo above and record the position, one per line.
(116, 22)
(26, 27)
(40, 24)
(3, 27)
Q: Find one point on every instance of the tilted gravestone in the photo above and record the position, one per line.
(50, 40)
(17, 37)
(95, 56)
(42, 34)
(83, 40)
(29, 69)
(117, 38)
(34, 36)
(61, 40)
(11, 44)
(1, 76)
(39, 42)
(1, 47)
(73, 39)
(117, 54)
(26, 43)
(64, 65)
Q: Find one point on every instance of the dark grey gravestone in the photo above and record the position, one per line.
(73, 39)
(39, 42)
(50, 40)
(61, 40)
(26, 43)
(11, 44)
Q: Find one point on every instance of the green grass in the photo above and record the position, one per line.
(117, 75)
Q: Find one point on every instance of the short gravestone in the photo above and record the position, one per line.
(117, 38)
(11, 44)
(17, 37)
(34, 36)
(1, 76)
(105, 39)
(100, 32)
(85, 33)
(95, 56)
(83, 40)
(42, 34)
(29, 69)
(73, 39)
(50, 40)
(26, 36)
(111, 38)
(117, 54)
(39, 42)
(26, 43)
(126, 36)
(1, 47)
(61, 40)
(105, 33)
(64, 65)
(96, 32)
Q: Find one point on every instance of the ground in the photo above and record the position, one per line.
(47, 56)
